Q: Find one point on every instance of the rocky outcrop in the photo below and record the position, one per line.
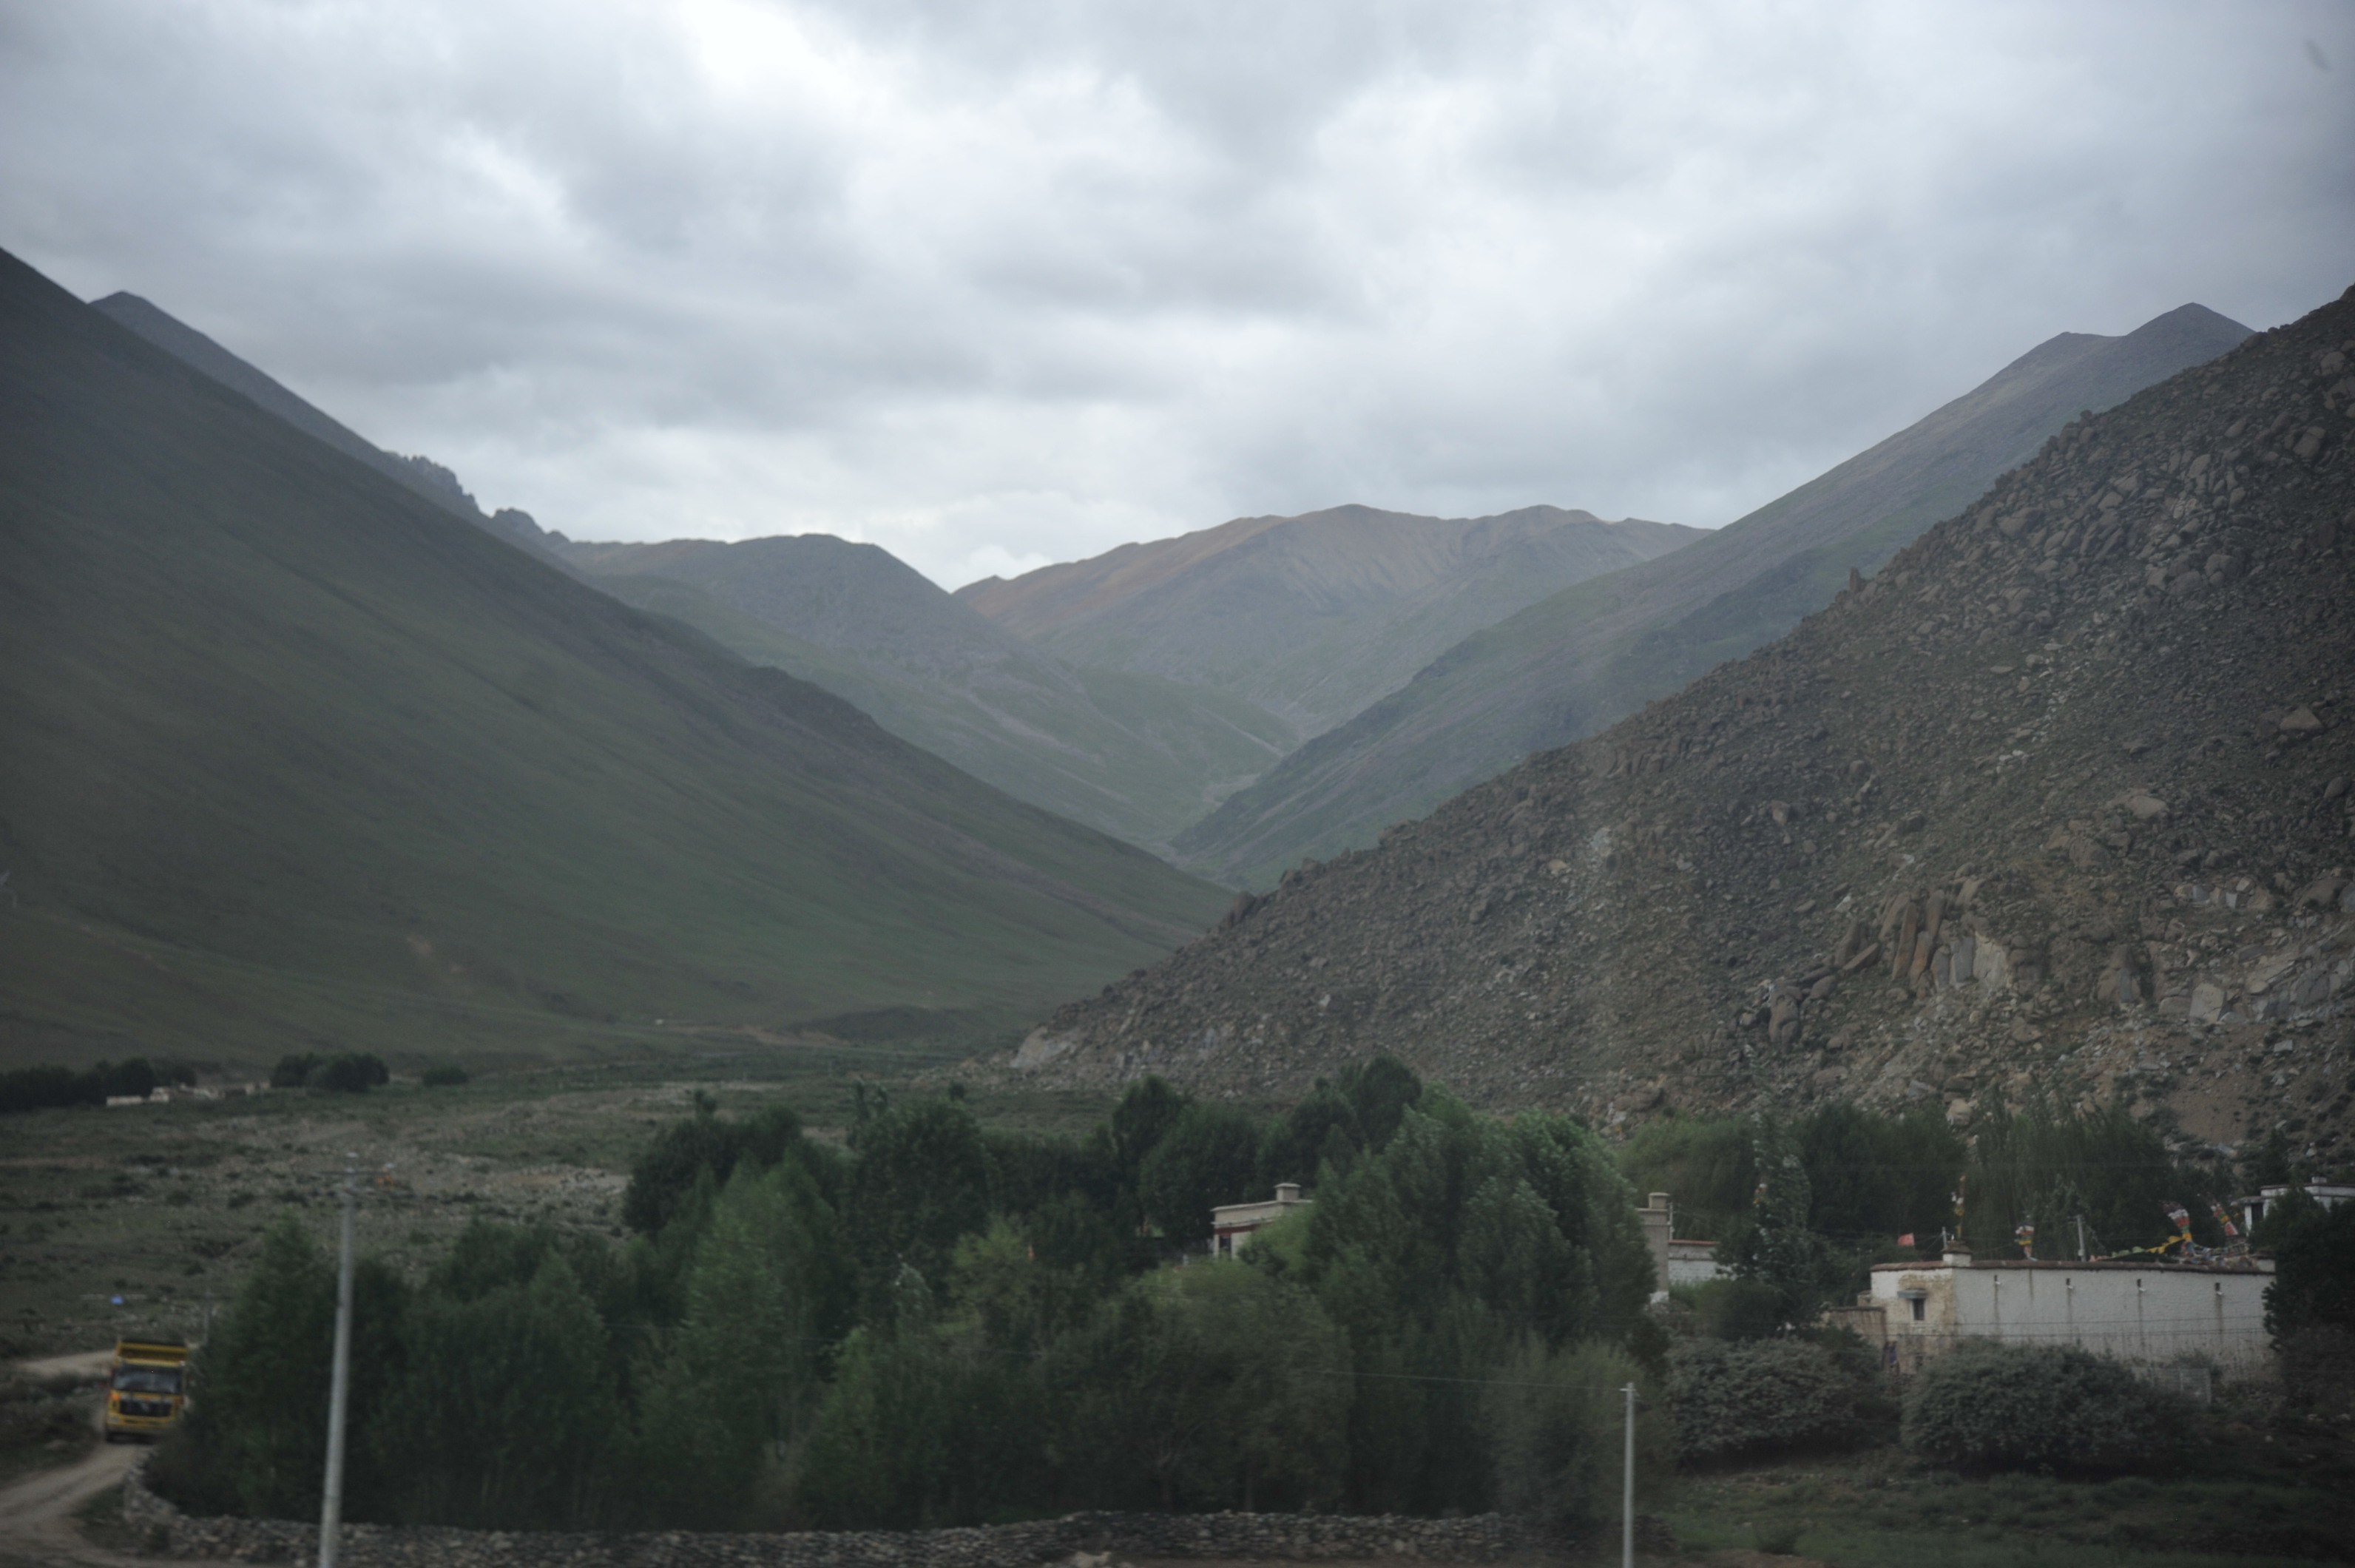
(2061, 791)
(1093, 1539)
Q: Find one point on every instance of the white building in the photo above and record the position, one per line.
(1693, 1262)
(1674, 1259)
(1233, 1224)
(2330, 1195)
(2148, 1314)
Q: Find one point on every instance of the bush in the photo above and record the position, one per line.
(2314, 1285)
(353, 1073)
(1556, 1420)
(1760, 1397)
(2002, 1407)
(292, 1072)
(444, 1075)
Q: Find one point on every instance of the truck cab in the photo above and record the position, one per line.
(149, 1388)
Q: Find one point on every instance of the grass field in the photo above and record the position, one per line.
(161, 1205)
(1877, 1510)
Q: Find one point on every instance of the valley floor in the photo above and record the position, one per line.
(144, 1217)
(160, 1207)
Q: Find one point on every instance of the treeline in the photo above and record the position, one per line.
(1801, 1210)
(50, 1088)
(944, 1325)
(347, 1073)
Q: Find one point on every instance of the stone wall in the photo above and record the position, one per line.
(1279, 1536)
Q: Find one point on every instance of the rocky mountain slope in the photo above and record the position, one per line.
(1132, 754)
(2062, 793)
(1311, 617)
(422, 474)
(291, 759)
(1585, 657)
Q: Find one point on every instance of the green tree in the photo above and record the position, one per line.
(1876, 1177)
(2314, 1272)
(2047, 1165)
(769, 1287)
(923, 1427)
(1708, 1166)
(1212, 1386)
(254, 1442)
(507, 1412)
(665, 1174)
(1321, 1129)
(1147, 1110)
(1379, 1091)
(1776, 1249)
(919, 1183)
(1208, 1155)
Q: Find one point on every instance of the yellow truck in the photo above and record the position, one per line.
(149, 1388)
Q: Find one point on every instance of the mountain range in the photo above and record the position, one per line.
(295, 758)
(2057, 802)
(1132, 754)
(1573, 662)
(1311, 617)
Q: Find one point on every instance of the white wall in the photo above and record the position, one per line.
(2151, 1316)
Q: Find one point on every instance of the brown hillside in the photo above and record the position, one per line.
(2062, 791)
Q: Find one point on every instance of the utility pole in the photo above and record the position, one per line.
(1627, 1499)
(331, 1502)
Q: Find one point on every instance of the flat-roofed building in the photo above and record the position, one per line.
(1233, 1225)
(2147, 1313)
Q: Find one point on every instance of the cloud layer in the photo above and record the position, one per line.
(994, 284)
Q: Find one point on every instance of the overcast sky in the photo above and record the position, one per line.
(995, 282)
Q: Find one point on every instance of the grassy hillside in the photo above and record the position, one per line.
(1572, 662)
(1135, 755)
(293, 757)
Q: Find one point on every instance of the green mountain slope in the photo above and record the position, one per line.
(1135, 755)
(290, 756)
(1574, 662)
(422, 474)
(1315, 616)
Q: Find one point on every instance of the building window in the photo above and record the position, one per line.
(1917, 1305)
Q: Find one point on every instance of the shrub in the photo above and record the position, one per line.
(353, 1072)
(1556, 1420)
(294, 1071)
(444, 1075)
(2315, 1282)
(1759, 1397)
(2002, 1407)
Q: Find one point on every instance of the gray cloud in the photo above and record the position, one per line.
(998, 283)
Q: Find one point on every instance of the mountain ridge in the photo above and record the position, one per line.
(298, 760)
(2057, 804)
(1130, 754)
(1313, 616)
(420, 474)
(1597, 649)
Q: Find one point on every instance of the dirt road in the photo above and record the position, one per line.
(36, 1523)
